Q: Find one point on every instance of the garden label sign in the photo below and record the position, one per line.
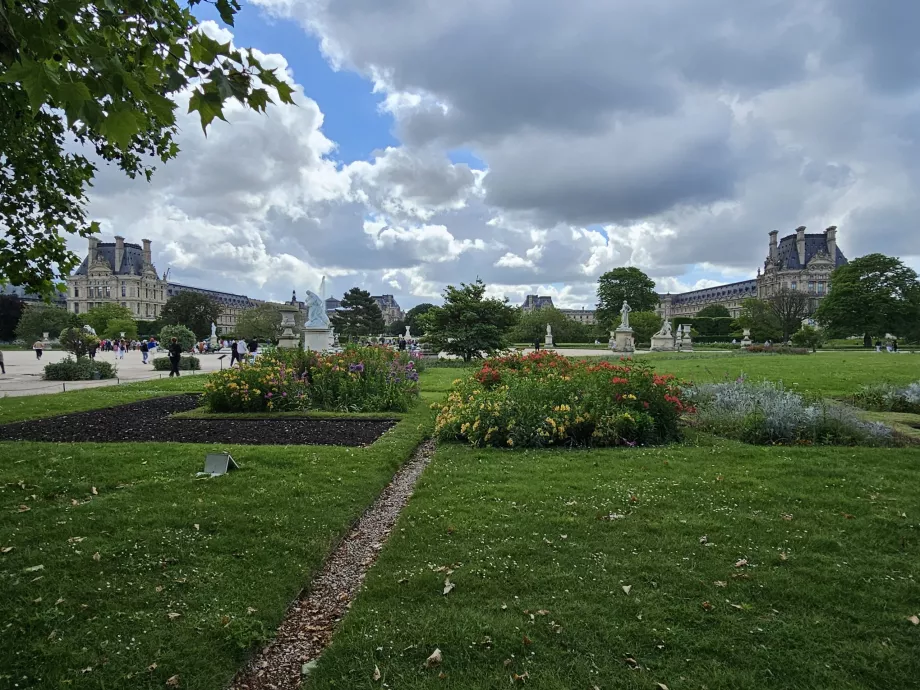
(217, 464)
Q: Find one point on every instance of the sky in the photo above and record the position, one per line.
(537, 144)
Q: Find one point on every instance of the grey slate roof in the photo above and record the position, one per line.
(788, 254)
(134, 256)
(228, 299)
(740, 290)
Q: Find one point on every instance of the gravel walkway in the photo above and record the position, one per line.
(311, 621)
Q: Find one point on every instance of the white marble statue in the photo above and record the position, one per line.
(316, 311)
(665, 329)
(624, 314)
(549, 330)
(408, 334)
(89, 329)
(213, 330)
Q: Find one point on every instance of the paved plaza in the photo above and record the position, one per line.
(24, 372)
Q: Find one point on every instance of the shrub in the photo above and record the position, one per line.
(186, 338)
(774, 350)
(889, 398)
(359, 379)
(186, 363)
(808, 337)
(767, 414)
(545, 399)
(80, 369)
(77, 342)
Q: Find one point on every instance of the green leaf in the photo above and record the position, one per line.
(36, 79)
(208, 105)
(284, 92)
(120, 126)
(226, 11)
(258, 99)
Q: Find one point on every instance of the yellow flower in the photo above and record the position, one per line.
(511, 442)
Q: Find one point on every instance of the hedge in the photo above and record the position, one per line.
(82, 369)
(186, 363)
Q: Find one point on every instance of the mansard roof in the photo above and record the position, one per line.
(740, 290)
(787, 252)
(133, 256)
(228, 299)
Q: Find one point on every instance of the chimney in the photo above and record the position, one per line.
(773, 235)
(119, 252)
(93, 242)
(831, 236)
(800, 243)
(148, 259)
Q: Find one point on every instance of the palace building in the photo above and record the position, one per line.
(800, 261)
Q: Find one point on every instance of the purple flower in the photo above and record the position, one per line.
(269, 394)
(284, 394)
(356, 368)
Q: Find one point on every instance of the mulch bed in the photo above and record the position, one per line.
(150, 420)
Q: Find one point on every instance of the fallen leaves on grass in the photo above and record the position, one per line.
(75, 540)
(94, 491)
(707, 606)
(740, 564)
(173, 681)
(448, 586)
(914, 619)
(522, 678)
(97, 556)
(376, 676)
(632, 663)
(152, 667)
(661, 686)
(172, 615)
(527, 640)
(720, 583)
(626, 589)
(7, 549)
(23, 508)
(434, 660)
(848, 516)
(34, 568)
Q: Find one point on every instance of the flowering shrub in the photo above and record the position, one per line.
(767, 414)
(360, 379)
(889, 398)
(545, 399)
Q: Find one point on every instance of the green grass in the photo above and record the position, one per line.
(16, 408)
(532, 559)
(904, 423)
(227, 554)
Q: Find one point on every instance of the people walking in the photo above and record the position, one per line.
(241, 351)
(253, 347)
(175, 356)
(39, 348)
(144, 350)
(2, 367)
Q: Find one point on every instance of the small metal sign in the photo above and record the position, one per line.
(217, 464)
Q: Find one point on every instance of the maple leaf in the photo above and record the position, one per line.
(527, 640)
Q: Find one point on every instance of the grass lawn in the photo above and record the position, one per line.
(16, 408)
(830, 537)
(119, 538)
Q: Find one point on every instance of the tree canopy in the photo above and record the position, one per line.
(108, 75)
(11, 308)
(624, 284)
(531, 326)
(645, 324)
(360, 315)
(413, 317)
(757, 316)
(193, 310)
(468, 324)
(871, 296)
(184, 335)
(116, 327)
(714, 311)
(37, 319)
(98, 318)
(789, 308)
(262, 322)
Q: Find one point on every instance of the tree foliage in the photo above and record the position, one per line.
(185, 336)
(37, 319)
(624, 284)
(98, 318)
(645, 324)
(77, 341)
(397, 328)
(468, 324)
(414, 315)
(789, 308)
(116, 327)
(808, 336)
(106, 74)
(11, 308)
(757, 316)
(193, 310)
(360, 315)
(531, 326)
(871, 296)
(262, 322)
(714, 311)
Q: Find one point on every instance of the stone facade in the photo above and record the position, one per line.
(117, 272)
(390, 308)
(233, 305)
(535, 302)
(798, 261)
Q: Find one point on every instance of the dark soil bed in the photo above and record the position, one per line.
(150, 420)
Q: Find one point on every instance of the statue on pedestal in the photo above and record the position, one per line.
(316, 311)
(624, 315)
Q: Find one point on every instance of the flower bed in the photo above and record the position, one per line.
(360, 379)
(545, 399)
(767, 414)
(889, 398)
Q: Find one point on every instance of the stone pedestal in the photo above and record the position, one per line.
(623, 340)
(213, 342)
(317, 339)
(746, 340)
(663, 343)
(685, 342)
(289, 339)
(548, 341)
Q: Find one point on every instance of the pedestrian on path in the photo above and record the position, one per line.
(241, 351)
(2, 367)
(39, 347)
(144, 350)
(175, 356)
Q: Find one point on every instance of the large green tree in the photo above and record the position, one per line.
(469, 325)
(115, 327)
(262, 322)
(531, 326)
(37, 319)
(627, 284)
(414, 315)
(99, 317)
(360, 315)
(105, 73)
(871, 296)
(757, 316)
(789, 307)
(715, 311)
(645, 324)
(11, 308)
(193, 310)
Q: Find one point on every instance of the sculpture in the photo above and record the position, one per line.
(624, 314)
(213, 330)
(549, 330)
(89, 329)
(316, 311)
(665, 329)
(407, 335)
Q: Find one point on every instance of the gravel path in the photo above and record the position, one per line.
(311, 621)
